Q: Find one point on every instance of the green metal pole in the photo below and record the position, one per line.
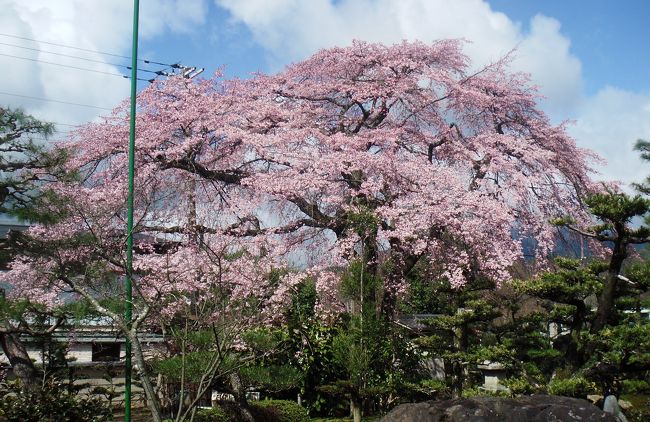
(128, 308)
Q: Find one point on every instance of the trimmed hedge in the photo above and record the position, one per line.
(278, 411)
(262, 411)
(216, 414)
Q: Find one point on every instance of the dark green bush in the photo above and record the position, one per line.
(53, 403)
(216, 414)
(225, 411)
(520, 386)
(578, 387)
(278, 411)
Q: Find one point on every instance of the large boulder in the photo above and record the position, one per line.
(538, 408)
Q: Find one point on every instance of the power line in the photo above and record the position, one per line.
(62, 65)
(184, 71)
(174, 65)
(65, 124)
(157, 72)
(75, 67)
(55, 101)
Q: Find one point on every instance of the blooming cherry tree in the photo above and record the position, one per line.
(390, 154)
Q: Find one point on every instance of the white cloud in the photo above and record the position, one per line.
(545, 53)
(175, 15)
(610, 122)
(103, 25)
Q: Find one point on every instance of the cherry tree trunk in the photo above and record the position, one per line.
(240, 396)
(150, 393)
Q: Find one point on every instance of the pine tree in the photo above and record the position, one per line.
(25, 162)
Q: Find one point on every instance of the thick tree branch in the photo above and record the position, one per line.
(600, 237)
(189, 165)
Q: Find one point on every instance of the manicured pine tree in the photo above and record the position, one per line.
(26, 163)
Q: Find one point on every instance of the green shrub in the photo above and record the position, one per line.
(480, 392)
(519, 386)
(577, 387)
(225, 411)
(216, 414)
(278, 411)
(53, 403)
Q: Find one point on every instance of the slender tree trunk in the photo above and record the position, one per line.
(355, 407)
(22, 366)
(181, 401)
(149, 391)
(461, 344)
(240, 396)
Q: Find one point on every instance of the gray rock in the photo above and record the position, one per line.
(538, 408)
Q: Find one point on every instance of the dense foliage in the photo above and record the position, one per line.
(279, 411)
(53, 403)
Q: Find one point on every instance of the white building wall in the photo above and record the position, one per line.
(83, 352)
(80, 352)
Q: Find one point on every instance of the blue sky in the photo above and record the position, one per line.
(589, 57)
(609, 38)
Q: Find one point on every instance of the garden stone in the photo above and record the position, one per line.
(611, 406)
(538, 408)
(624, 404)
(595, 398)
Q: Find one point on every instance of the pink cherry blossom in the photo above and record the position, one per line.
(236, 178)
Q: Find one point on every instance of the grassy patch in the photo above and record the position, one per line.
(639, 401)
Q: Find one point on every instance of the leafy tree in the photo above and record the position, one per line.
(602, 335)
(568, 306)
(310, 346)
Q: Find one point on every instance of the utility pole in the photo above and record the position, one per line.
(128, 308)
(186, 72)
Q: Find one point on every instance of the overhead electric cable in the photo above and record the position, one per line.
(74, 67)
(65, 124)
(174, 65)
(157, 72)
(55, 101)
